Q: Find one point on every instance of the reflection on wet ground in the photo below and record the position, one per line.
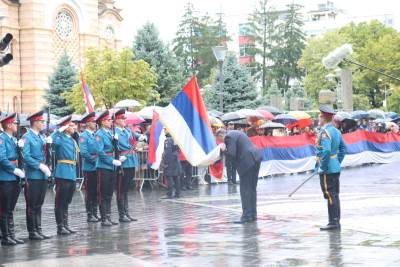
(197, 229)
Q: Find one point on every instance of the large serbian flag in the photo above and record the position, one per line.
(87, 96)
(186, 120)
(156, 144)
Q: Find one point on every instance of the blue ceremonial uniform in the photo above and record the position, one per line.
(8, 157)
(66, 151)
(330, 149)
(125, 145)
(330, 152)
(104, 149)
(34, 154)
(88, 150)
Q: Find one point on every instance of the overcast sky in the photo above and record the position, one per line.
(166, 14)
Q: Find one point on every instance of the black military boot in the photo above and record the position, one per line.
(108, 216)
(38, 222)
(103, 214)
(11, 229)
(89, 211)
(94, 212)
(333, 220)
(65, 222)
(121, 211)
(126, 208)
(6, 239)
(31, 225)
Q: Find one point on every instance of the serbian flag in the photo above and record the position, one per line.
(157, 139)
(87, 96)
(217, 168)
(186, 120)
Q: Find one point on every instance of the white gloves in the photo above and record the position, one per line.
(122, 158)
(19, 173)
(20, 143)
(45, 169)
(116, 163)
(222, 146)
(49, 140)
(142, 138)
(116, 136)
(63, 128)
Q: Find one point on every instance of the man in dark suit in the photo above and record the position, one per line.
(247, 160)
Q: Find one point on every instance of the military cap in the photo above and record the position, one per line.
(38, 116)
(120, 114)
(9, 119)
(104, 115)
(88, 117)
(326, 111)
(64, 121)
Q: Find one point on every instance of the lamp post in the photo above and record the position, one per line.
(219, 53)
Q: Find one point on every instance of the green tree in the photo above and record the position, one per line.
(361, 102)
(149, 47)
(272, 90)
(310, 61)
(239, 89)
(61, 81)
(374, 45)
(288, 49)
(114, 76)
(195, 37)
(263, 21)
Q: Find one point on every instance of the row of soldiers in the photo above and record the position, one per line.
(109, 162)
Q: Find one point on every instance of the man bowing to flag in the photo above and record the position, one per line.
(247, 161)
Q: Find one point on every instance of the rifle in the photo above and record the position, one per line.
(49, 147)
(20, 157)
(117, 153)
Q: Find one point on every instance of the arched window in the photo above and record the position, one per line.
(66, 34)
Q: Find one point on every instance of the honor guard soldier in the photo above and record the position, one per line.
(128, 157)
(34, 149)
(67, 155)
(9, 180)
(88, 151)
(330, 154)
(106, 164)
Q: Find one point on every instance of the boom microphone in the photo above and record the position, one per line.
(335, 57)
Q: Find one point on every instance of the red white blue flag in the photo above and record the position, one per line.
(156, 144)
(87, 96)
(187, 121)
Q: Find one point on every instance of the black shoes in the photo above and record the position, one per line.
(244, 220)
(124, 219)
(35, 236)
(130, 218)
(62, 231)
(330, 227)
(92, 219)
(7, 241)
(106, 223)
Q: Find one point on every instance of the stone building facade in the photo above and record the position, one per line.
(43, 30)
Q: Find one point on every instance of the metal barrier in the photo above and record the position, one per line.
(144, 172)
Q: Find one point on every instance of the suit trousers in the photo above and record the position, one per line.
(330, 185)
(248, 192)
(186, 176)
(230, 170)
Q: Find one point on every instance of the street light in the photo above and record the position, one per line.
(385, 100)
(219, 53)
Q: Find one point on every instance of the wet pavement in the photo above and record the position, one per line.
(197, 229)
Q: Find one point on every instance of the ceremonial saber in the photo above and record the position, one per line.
(305, 181)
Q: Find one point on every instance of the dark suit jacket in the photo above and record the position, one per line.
(242, 151)
(171, 163)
